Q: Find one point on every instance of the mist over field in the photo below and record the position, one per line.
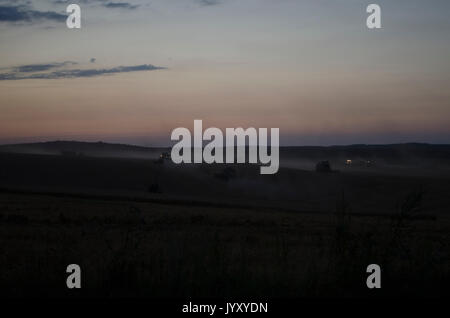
(215, 230)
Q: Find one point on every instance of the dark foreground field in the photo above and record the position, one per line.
(141, 228)
(159, 250)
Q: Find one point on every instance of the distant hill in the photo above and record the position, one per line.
(393, 153)
(77, 148)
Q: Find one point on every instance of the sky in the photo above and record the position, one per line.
(138, 69)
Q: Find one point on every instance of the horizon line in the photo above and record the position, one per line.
(170, 146)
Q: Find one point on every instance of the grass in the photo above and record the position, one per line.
(150, 249)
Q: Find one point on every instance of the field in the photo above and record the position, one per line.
(139, 228)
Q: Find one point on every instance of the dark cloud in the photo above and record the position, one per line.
(24, 13)
(78, 1)
(120, 5)
(31, 68)
(105, 3)
(75, 73)
(15, 2)
(209, 2)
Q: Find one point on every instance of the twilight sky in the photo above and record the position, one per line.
(138, 69)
